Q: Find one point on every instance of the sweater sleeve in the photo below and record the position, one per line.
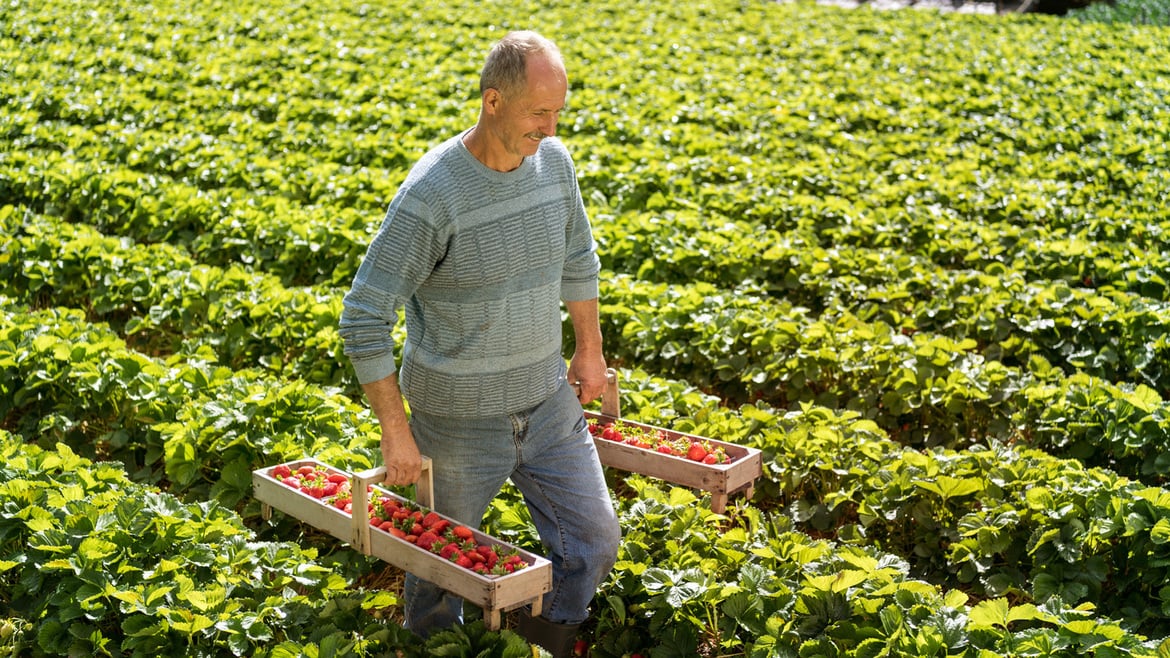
(400, 257)
(579, 280)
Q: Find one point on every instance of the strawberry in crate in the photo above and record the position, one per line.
(659, 441)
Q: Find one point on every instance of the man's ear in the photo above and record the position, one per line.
(492, 100)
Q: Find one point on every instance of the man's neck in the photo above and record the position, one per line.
(478, 143)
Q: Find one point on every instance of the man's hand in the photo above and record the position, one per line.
(587, 377)
(401, 457)
(587, 367)
(399, 451)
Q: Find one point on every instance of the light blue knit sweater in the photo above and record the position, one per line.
(480, 260)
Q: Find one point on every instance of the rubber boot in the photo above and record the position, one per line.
(557, 639)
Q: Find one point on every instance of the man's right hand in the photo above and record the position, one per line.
(399, 451)
(401, 457)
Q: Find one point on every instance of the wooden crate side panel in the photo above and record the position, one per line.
(494, 592)
(665, 467)
(302, 507)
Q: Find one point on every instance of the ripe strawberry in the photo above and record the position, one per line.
(430, 519)
(450, 551)
(696, 452)
(462, 532)
(489, 554)
(464, 562)
(281, 471)
(426, 539)
(580, 648)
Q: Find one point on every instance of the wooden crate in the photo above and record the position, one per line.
(495, 594)
(720, 480)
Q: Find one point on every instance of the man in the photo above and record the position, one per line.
(481, 244)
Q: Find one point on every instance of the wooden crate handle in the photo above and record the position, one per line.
(611, 403)
(358, 483)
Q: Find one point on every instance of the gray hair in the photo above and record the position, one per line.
(505, 69)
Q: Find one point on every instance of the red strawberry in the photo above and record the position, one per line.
(426, 539)
(281, 471)
(489, 555)
(464, 562)
(462, 532)
(449, 551)
(696, 452)
(580, 648)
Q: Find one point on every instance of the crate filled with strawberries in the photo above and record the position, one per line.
(718, 467)
(375, 521)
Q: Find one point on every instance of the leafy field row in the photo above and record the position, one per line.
(1120, 334)
(164, 302)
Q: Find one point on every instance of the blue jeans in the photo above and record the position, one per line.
(549, 455)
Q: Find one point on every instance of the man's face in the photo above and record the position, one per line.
(527, 117)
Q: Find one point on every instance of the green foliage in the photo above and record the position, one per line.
(748, 584)
(200, 427)
(103, 566)
(1137, 12)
